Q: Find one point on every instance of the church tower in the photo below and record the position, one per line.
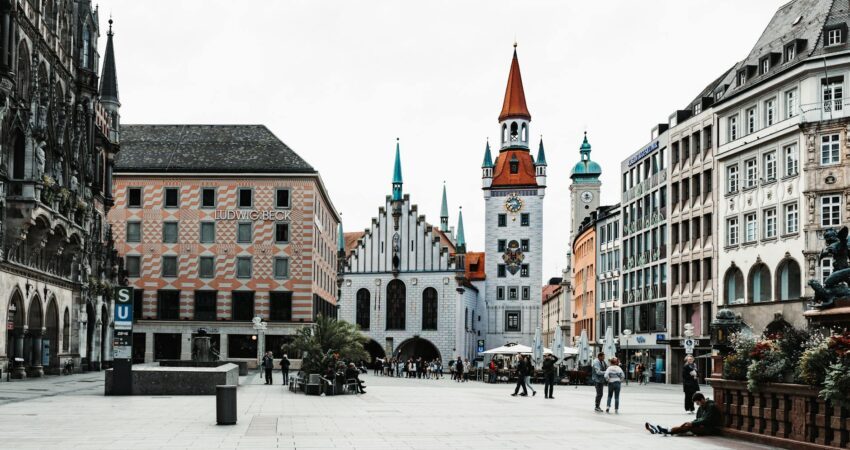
(584, 188)
(514, 185)
(109, 87)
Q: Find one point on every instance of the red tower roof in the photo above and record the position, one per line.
(514, 105)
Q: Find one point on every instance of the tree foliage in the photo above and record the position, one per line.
(328, 341)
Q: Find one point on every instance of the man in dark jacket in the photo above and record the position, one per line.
(521, 371)
(284, 369)
(268, 365)
(690, 384)
(353, 373)
(549, 375)
(707, 421)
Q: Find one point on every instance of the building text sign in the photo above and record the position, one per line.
(253, 215)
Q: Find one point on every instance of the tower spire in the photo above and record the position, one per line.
(514, 104)
(444, 211)
(461, 238)
(541, 154)
(109, 79)
(488, 158)
(397, 180)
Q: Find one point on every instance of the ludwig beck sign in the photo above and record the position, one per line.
(253, 215)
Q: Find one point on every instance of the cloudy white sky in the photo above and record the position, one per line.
(338, 81)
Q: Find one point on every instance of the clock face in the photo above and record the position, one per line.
(513, 203)
(586, 196)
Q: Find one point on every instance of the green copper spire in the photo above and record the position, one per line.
(541, 155)
(444, 211)
(488, 159)
(461, 239)
(586, 171)
(397, 181)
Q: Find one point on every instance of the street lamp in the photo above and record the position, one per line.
(627, 332)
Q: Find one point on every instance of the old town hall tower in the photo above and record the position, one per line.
(514, 185)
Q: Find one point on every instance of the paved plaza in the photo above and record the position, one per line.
(71, 412)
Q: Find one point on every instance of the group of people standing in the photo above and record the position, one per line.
(524, 371)
(410, 368)
(268, 367)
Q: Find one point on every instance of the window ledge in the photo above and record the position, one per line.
(731, 247)
(770, 239)
(790, 235)
(750, 188)
(731, 193)
(788, 177)
(749, 244)
(768, 182)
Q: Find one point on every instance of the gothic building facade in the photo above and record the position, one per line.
(58, 137)
(403, 282)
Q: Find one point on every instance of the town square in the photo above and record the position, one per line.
(375, 224)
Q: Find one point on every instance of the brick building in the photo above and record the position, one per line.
(218, 224)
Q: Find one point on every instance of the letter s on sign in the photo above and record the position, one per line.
(123, 295)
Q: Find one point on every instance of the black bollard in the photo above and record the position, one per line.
(225, 404)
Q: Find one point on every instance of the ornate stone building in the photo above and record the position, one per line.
(58, 137)
(404, 282)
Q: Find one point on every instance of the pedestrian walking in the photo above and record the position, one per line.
(439, 368)
(529, 371)
(690, 383)
(467, 369)
(598, 377)
(284, 369)
(492, 370)
(458, 369)
(520, 378)
(614, 376)
(548, 375)
(268, 366)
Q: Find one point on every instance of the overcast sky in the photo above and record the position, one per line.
(339, 81)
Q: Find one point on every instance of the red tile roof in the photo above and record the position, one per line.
(514, 104)
(351, 240)
(475, 266)
(550, 291)
(525, 176)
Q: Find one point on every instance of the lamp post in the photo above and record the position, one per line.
(260, 328)
(627, 333)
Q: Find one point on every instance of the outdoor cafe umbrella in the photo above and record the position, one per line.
(537, 348)
(513, 349)
(558, 346)
(608, 347)
(584, 352)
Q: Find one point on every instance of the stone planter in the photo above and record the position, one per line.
(782, 415)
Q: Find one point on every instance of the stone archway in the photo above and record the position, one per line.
(15, 326)
(104, 337)
(375, 351)
(418, 347)
(50, 345)
(35, 334)
(91, 321)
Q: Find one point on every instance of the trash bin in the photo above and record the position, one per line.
(225, 404)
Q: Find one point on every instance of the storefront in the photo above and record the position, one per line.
(646, 350)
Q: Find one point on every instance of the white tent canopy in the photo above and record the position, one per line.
(513, 349)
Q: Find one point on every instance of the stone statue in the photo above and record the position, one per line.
(75, 184)
(837, 285)
(40, 158)
(60, 169)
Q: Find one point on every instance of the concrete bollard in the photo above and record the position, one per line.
(225, 404)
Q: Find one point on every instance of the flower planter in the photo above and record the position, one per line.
(782, 415)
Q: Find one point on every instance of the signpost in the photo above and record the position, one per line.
(481, 346)
(122, 342)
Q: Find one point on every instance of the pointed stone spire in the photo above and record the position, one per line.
(514, 104)
(461, 238)
(541, 155)
(397, 180)
(109, 79)
(444, 212)
(488, 158)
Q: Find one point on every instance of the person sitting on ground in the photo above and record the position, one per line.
(353, 373)
(707, 421)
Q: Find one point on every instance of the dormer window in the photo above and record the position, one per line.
(834, 37)
(514, 166)
(742, 77)
(765, 65)
(697, 108)
(790, 52)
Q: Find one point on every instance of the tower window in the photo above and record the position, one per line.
(514, 167)
(503, 220)
(525, 219)
(514, 132)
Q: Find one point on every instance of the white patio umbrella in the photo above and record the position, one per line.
(537, 349)
(558, 346)
(608, 347)
(510, 349)
(584, 352)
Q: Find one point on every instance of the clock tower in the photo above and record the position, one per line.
(514, 184)
(584, 188)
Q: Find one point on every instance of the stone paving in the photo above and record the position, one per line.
(71, 412)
